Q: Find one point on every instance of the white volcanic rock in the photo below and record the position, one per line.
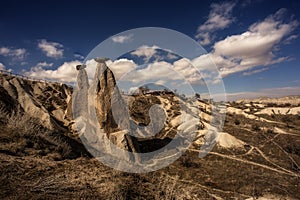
(45, 102)
(115, 126)
(226, 140)
(279, 110)
(237, 111)
(293, 100)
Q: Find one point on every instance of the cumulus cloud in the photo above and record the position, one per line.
(220, 17)
(18, 54)
(78, 56)
(145, 51)
(4, 51)
(290, 39)
(121, 67)
(160, 82)
(2, 67)
(122, 38)
(254, 71)
(65, 73)
(161, 72)
(51, 49)
(41, 65)
(254, 48)
(153, 71)
(172, 56)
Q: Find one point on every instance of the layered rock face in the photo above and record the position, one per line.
(109, 106)
(105, 87)
(49, 103)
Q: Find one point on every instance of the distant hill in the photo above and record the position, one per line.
(293, 100)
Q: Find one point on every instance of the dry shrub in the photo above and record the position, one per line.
(25, 132)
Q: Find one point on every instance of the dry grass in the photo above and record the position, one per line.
(23, 135)
(34, 165)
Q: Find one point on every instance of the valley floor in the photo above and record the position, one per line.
(268, 166)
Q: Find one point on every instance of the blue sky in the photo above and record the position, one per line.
(254, 43)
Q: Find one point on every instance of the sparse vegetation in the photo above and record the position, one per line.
(237, 122)
(25, 135)
(255, 127)
(271, 105)
(38, 163)
(287, 119)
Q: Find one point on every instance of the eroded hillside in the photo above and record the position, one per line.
(256, 155)
(49, 103)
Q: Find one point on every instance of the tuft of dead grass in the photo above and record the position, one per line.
(24, 135)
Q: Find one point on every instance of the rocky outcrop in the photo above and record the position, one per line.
(105, 91)
(46, 102)
(110, 107)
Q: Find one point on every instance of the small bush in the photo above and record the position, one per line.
(27, 133)
(288, 120)
(271, 104)
(187, 161)
(273, 116)
(255, 127)
(270, 131)
(237, 122)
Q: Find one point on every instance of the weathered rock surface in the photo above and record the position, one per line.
(104, 95)
(47, 102)
(110, 108)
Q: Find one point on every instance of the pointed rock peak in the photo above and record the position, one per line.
(111, 108)
(104, 93)
(101, 60)
(80, 67)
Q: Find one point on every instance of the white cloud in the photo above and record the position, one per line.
(122, 38)
(78, 56)
(254, 71)
(2, 67)
(205, 38)
(154, 71)
(41, 65)
(160, 82)
(124, 70)
(187, 70)
(65, 73)
(290, 39)
(121, 67)
(18, 54)
(220, 17)
(172, 56)
(51, 49)
(160, 72)
(4, 51)
(145, 51)
(253, 48)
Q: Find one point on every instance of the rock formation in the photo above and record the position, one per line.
(110, 108)
(105, 90)
(46, 102)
